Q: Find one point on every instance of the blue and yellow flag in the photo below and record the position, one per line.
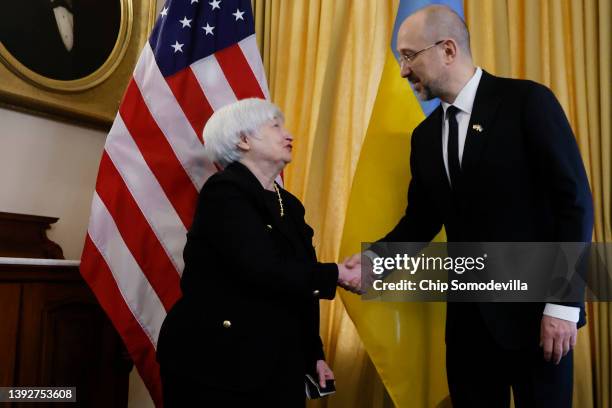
(404, 340)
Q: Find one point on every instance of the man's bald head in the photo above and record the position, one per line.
(434, 48)
(437, 22)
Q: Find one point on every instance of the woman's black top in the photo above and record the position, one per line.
(251, 288)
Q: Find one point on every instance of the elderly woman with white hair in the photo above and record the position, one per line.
(246, 331)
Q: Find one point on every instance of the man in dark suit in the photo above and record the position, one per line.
(60, 39)
(495, 162)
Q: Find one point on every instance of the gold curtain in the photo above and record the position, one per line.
(324, 59)
(564, 44)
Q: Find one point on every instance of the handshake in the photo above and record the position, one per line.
(350, 274)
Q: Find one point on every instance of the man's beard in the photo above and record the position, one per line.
(431, 90)
(425, 93)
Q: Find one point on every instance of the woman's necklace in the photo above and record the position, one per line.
(280, 200)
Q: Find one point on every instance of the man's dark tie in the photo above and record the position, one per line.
(454, 167)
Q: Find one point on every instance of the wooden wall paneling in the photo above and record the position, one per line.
(52, 329)
(10, 296)
(67, 340)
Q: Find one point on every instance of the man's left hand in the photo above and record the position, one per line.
(557, 337)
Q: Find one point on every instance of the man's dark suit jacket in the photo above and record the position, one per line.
(523, 180)
(245, 267)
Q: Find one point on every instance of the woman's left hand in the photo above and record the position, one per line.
(324, 372)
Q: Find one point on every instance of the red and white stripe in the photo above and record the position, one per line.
(151, 171)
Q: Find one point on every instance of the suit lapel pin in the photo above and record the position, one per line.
(477, 127)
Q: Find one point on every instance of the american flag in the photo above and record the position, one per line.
(201, 56)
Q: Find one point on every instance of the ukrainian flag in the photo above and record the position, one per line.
(404, 340)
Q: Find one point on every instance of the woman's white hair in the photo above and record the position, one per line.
(224, 128)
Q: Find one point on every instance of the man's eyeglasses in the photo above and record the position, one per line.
(409, 58)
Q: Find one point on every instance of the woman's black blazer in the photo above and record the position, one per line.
(251, 288)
